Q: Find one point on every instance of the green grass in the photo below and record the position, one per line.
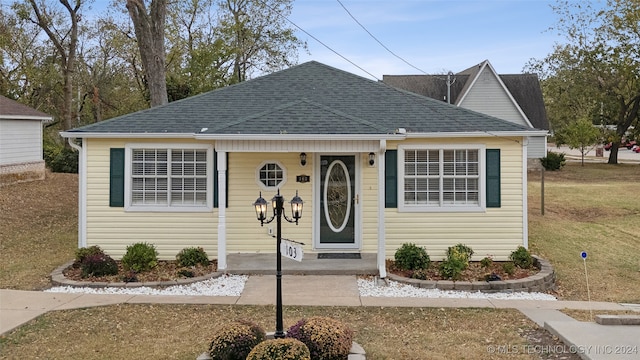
(595, 208)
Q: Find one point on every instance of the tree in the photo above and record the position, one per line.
(63, 35)
(259, 38)
(581, 135)
(598, 71)
(149, 28)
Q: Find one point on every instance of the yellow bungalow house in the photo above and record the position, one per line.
(376, 167)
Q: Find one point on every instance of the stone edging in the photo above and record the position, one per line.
(542, 281)
(58, 279)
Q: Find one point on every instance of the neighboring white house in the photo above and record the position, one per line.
(20, 142)
(516, 98)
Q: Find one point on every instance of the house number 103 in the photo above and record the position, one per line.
(291, 250)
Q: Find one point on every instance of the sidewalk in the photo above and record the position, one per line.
(596, 341)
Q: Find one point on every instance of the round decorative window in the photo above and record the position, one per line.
(271, 174)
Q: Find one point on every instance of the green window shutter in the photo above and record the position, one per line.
(493, 178)
(391, 179)
(216, 196)
(116, 178)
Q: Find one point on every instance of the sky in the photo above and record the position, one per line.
(434, 36)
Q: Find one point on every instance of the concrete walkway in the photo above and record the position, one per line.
(591, 340)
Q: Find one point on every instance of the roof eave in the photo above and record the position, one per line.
(112, 135)
(26, 117)
(477, 134)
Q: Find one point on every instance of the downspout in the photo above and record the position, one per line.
(222, 210)
(82, 192)
(525, 206)
(382, 270)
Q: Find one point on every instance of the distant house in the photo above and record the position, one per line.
(375, 166)
(516, 98)
(20, 142)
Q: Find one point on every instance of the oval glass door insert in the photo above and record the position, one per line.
(337, 196)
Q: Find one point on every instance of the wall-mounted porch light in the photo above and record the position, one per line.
(372, 159)
(303, 159)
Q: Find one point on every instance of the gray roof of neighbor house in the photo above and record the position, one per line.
(525, 89)
(307, 99)
(11, 109)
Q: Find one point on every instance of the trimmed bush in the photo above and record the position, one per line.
(486, 262)
(412, 257)
(522, 258)
(235, 340)
(82, 253)
(553, 161)
(192, 256)
(457, 261)
(98, 265)
(280, 349)
(326, 338)
(140, 257)
(509, 268)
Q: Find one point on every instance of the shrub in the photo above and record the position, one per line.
(326, 338)
(461, 250)
(98, 265)
(486, 262)
(553, 161)
(192, 256)
(82, 253)
(521, 258)
(509, 268)
(411, 257)
(140, 257)
(59, 158)
(457, 261)
(235, 340)
(280, 349)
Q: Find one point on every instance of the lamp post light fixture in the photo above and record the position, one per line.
(278, 213)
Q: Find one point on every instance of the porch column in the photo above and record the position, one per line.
(525, 216)
(222, 210)
(382, 270)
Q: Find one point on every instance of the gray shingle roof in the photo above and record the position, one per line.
(525, 89)
(311, 98)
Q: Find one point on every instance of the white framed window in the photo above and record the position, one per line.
(270, 175)
(441, 178)
(168, 177)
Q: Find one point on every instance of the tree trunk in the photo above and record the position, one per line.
(613, 154)
(149, 28)
(67, 55)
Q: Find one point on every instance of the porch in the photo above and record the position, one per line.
(311, 264)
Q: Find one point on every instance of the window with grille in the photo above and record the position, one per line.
(169, 177)
(440, 178)
(271, 175)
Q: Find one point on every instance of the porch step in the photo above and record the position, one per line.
(265, 264)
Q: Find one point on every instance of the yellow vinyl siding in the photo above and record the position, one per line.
(244, 233)
(495, 232)
(114, 229)
(369, 205)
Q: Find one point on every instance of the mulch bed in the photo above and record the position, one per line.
(164, 271)
(475, 272)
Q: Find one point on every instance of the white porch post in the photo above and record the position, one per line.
(382, 270)
(525, 210)
(222, 210)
